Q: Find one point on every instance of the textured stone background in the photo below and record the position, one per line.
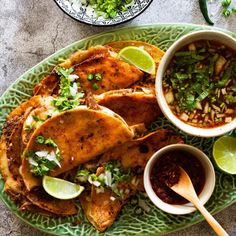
(31, 30)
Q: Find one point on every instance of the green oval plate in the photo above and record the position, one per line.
(132, 220)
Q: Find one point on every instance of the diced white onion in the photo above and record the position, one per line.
(29, 121)
(52, 157)
(212, 115)
(199, 105)
(223, 91)
(73, 77)
(169, 96)
(216, 107)
(112, 198)
(41, 153)
(95, 183)
(219, 65)
(206, 108)
(108, 179)
(191, 47)
(73, 90)
(32, 162)
(184, 117)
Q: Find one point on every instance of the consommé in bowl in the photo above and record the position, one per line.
(210, 119)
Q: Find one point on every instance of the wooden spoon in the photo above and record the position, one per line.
(185, 188)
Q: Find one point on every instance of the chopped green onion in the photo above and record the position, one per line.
(98, 76)
(95, 86)
(202, 96)
(226, 12)
(40, 139)
(90, 77)
(225, 3)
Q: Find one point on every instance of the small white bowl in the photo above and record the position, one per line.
(207, 188)
(189, 38)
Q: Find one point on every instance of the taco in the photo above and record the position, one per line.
(80, 135)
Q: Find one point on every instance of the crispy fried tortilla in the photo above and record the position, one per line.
(115, 73)
(42, 112)
(12, 131)
(13, 185)
(10, 161)
(154, 51)
(59, 207)
(148, 81)
(10, 156)
(80, 134)
(50, 84)
(100, 210)
(137, 152)
(134, 106)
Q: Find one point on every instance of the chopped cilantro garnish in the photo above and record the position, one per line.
(109, 8)
(41, 162)
(64, 72)
(63, 104)
(69, 96)
(83, 173)
(42, 140)
(113, 175)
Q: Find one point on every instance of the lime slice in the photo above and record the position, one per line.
(139, 58)
(224, 153)
(60, 188)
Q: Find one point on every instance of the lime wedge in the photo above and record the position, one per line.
(60, 188)
(139, 58)
(224, 153)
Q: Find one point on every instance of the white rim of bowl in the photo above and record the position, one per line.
(206, 192)
(196, 131)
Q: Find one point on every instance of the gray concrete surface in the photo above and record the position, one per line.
(30, 30)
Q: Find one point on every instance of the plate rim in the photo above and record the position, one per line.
(51, 56)
(100, 25)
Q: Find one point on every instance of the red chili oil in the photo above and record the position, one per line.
(166, 172)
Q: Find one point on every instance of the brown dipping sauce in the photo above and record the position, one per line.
(166, 172)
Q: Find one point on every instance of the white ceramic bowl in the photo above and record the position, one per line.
(189, 38)
(203, 196)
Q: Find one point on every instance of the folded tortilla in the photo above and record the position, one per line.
(99, 208)
(134, 106)
(81, 134)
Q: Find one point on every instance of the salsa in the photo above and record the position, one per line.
(200, 84)
(166, 172)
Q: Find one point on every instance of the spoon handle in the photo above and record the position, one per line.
(210, 219)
